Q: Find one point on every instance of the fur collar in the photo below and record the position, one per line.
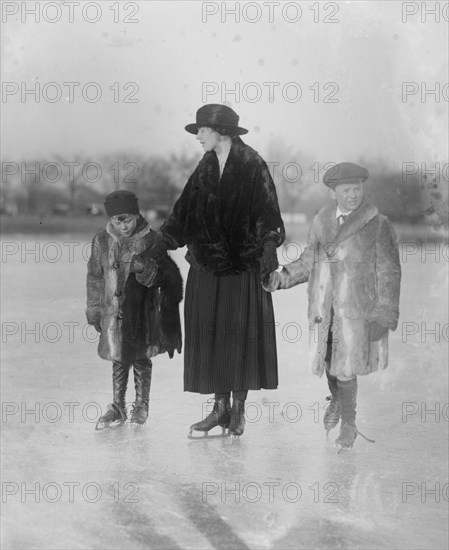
(142, 229)
(354, 222)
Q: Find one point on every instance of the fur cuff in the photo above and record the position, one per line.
(148, 274)
(93, 315)
(384, 317)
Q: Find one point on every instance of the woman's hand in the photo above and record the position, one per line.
(271, 282)
(269, 261)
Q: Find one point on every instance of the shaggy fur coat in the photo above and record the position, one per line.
(354, 277)
(138, 312)
(225, 222)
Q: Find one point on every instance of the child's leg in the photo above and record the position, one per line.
(142, 382)
(120, 374)
(332, 414)
(117, 409)
(347, 393)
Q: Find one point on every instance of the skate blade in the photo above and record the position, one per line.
(205, 436)
(342, 448)
(136, 425)
(101, 426)
(234, 438)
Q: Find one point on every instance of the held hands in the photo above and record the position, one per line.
(269, 260)
(137, 265)
(271, 282)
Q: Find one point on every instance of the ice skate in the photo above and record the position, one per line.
(237, 425)
(331, 415)
(139, 414)
(142, 382)
(220, 416)
(115, 416)
(333, 410)
(346, 439)
(116, 411)
(347, 396)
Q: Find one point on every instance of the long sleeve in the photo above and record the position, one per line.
(388, 276)
(297, 272)
(150, 259)
(173, 228)
(94, 283)
(270, 226)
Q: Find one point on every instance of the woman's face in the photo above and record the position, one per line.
(209, 139)
(125, 224)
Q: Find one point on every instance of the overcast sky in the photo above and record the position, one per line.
(363, 56)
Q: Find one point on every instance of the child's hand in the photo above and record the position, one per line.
(376, 331)
(271, 282)
(137, 265)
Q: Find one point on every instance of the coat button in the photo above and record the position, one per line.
(119, 293)
(119, 316)
(115, 265)
(318, 319)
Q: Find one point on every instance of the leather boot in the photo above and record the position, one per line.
(142, 381)
(116, 411)
(220, 416)
(237, 425)
(347, 395)
(332, 413)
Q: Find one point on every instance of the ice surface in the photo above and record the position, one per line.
(281, 486)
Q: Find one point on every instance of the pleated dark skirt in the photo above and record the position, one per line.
(230, 340)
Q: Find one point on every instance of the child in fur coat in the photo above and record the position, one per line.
(352, 266)
(133, 295)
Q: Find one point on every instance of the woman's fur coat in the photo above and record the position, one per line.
(225, 222)
(354, 270)
(138, 312)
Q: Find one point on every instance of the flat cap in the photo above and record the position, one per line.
(345, 172)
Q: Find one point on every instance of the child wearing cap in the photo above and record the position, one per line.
(133, 293)
(352, 265)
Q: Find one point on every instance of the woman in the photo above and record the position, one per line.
(228, 216)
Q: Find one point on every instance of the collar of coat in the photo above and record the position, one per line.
(142, 229)
(353, 223)
(241, 166)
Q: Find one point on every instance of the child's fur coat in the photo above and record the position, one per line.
(353, 269)
(138, 312)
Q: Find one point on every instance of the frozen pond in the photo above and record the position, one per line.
(64, 485)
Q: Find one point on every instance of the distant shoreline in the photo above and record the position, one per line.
(89, 225)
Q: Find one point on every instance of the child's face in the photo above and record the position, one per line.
(125, 224)
(349, 196)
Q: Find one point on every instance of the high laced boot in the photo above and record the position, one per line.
(116, 411)
(332, 413)
(237, 425)
(220, 416)
(347, 393)
(142, 382)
